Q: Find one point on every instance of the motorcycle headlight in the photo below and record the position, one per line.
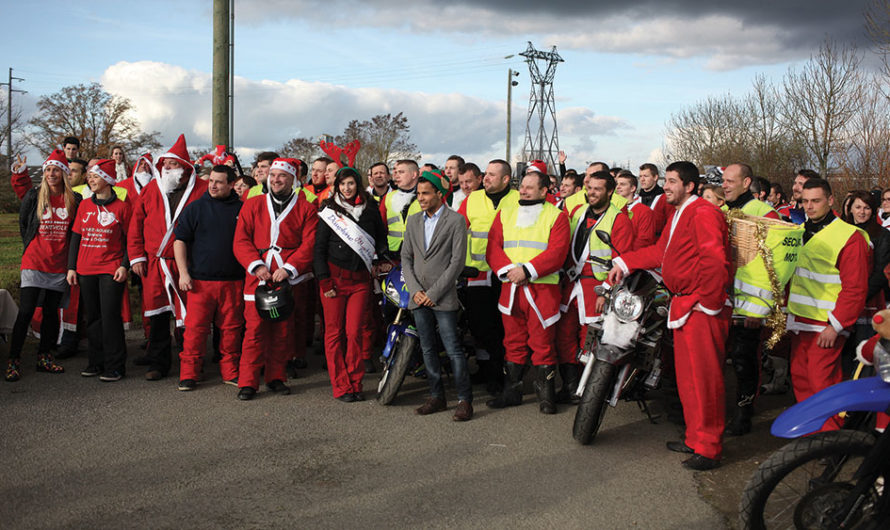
(627, 306)
(392, 293)
(882, 362)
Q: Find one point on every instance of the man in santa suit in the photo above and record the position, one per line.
(652, 195)
(150, 247)
(641, 216)
(274, 242)
(827, 293)
(580, 304)
(143, 173)
(693, 253)
(527, 245)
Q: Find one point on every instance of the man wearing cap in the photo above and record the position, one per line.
(752, 302)
(527, 246)
(150, 248)
(580, 304)
(482, 292)
(400, 203)
(433, 254)
(212, 276)
(274, 242)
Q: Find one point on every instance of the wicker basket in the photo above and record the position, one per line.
(743, 236)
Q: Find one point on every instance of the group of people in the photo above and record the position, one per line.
(207, 249)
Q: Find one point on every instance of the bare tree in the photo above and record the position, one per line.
(864, 159)
(710, 132)
(99, 119)
(774, 153)
(384, 138)
(303, 148)
(820, 98)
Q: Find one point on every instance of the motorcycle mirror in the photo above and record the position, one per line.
(605, 238)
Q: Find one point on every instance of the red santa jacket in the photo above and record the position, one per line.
(661, 211)
(622, 235)
(288, 241)
(643, 221)
(152, 223)
(693, 253)
(544, 298)
(21, 183)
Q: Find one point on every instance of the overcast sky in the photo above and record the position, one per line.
(307, 67)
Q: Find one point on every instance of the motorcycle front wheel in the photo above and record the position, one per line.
(805, 483)
(395, 370)
(593, 403)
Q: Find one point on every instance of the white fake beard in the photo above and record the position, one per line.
(528, 215)
(142, 178)
(169, 179)
(400, 199)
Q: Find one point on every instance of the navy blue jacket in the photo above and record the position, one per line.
(207, 226)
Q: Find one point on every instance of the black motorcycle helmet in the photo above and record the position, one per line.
(274, 301)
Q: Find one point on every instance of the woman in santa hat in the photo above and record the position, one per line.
(97, 261)
(351, 231)
(45, 220)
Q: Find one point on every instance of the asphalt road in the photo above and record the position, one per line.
(136, 454)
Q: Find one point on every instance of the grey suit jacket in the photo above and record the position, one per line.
(435, 270)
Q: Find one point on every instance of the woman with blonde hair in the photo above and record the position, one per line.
(121, 167)
(45, 219)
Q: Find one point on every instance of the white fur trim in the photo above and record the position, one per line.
(134, 261)
(502, 272)
(859, 356)
(254, 265)
(533, 272)
(620, 262)
(835, 323)
(284, 166)
(705, 310)
(153, 312)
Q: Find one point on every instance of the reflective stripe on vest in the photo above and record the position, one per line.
(752, 294)
(481, 213)
(596, 247)
(395, 225)
(811, 295)
(524, 244)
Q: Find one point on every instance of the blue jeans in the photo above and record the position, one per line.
(426, 320)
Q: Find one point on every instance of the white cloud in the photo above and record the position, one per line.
(173, 100)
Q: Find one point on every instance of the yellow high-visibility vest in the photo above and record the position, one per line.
(579, 198)
(481, 213)
(597, 247)
(395, 225)
(524, 244)
(120, 192)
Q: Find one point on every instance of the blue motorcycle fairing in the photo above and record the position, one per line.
(392, 334)
(868, 394)
(396, 279)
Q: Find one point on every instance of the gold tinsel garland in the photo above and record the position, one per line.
(776, 319)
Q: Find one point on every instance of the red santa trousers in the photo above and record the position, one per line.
(814, 368)
(222, 303)
(344, 317)
(373, 325)
(266, 347)
(302, 293)
(523, 332)
(699, 354)
(570, 335)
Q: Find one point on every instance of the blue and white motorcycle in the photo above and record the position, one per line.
(402, 349)
(832, 479)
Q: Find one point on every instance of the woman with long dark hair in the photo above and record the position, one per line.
(859, 210)
(349, 234)
(45, 220)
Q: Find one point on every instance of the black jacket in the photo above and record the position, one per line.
(877, 281)
(330, 248)
(28, 221)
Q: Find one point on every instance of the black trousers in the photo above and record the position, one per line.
(102, 298)
(485, 321)
(30, 299)
(744, 352)
(160, 343)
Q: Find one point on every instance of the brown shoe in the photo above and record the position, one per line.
(153, 375)
(433, 404)
(463, 412)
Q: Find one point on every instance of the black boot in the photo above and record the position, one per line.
(545, 388)
(741, 421)
(571, 376)
(512, 393)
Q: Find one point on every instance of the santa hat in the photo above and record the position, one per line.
(147, 157)
(290, 165)
(179, 152)
(57, 158)
(105, 168)
(439, 181)
(537, 165)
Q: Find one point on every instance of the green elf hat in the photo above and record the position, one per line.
(438, 180)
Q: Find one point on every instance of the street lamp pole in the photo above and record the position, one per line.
(510, 84)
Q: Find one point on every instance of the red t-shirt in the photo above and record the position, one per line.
(48, 251)
(103, 236)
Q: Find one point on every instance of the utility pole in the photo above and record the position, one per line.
(510, 85)
(9, 91)
(220, 98)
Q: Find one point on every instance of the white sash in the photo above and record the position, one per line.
(351, 234)
(575, 271)
(171, 222)
(274, 251)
